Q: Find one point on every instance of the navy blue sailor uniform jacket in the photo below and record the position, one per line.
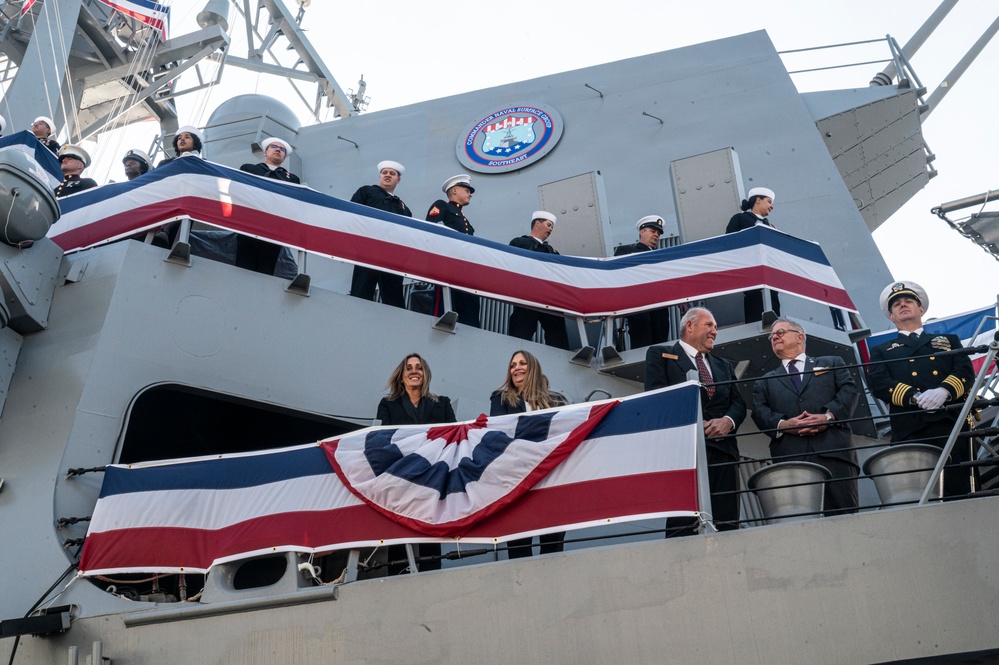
(896, 383)
(280, 173)
(374, 196)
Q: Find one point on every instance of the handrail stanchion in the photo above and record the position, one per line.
(608, 352)
(353, 560)
(585, 354)
(180, 253)
(703, 484)
(449, 319)
(302, 282)
(965, 410)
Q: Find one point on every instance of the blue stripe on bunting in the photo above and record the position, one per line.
(678, 408)
(45, 157)
(185, 165)
(218, 474)
(385, 457)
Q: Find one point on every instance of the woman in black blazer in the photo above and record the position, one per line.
(410, 402)
(526, 389)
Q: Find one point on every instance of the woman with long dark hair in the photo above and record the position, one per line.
(410, 402)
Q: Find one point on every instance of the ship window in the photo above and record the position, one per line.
(171, 421)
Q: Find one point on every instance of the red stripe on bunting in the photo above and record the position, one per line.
(549, 510)
(451, 271)
(544, 467)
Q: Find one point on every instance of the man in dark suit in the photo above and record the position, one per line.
(918, 383)
(252, 253)
(722, 407)
(524, 321)
(645, 328)
(383, 197)
(757, 205)
(798, 405)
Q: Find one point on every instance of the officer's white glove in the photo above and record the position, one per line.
(932, 399)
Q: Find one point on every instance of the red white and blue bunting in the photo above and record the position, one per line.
(302, 218)
(486, 481)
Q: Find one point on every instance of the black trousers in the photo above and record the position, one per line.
(752, 305)
(724, 508)
(256, 255)
(524, 322)
(466, 306)
(364, 281)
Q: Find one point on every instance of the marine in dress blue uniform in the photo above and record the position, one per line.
(73, 159)
(451, 214)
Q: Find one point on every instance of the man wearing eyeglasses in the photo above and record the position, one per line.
(800, 406)
(276, 151)
(722, 408)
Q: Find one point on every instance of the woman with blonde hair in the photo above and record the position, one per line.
(526, 389)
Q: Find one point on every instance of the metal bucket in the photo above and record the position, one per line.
(912, 464)
(781, 503)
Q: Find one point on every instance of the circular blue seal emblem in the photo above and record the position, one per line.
(509, 138)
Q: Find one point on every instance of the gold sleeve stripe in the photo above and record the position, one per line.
(898, 394)
(956, 384)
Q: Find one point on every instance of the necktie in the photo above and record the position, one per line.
(703, 375)
(794, 375)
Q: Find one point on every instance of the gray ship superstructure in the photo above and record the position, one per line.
(128, 352)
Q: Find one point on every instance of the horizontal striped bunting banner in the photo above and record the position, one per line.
(636, 460)
(302, 218)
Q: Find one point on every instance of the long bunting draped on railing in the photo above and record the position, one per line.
(300, 217)
(486, 481)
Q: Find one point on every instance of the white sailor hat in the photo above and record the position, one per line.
(281, 142)
(541, 214)
(389, 164)
(70, 150)
(47, 121)
(137, 155)
(899, 289)
(760, 191)
(650, 222)
(462, 179)
(190, 129)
